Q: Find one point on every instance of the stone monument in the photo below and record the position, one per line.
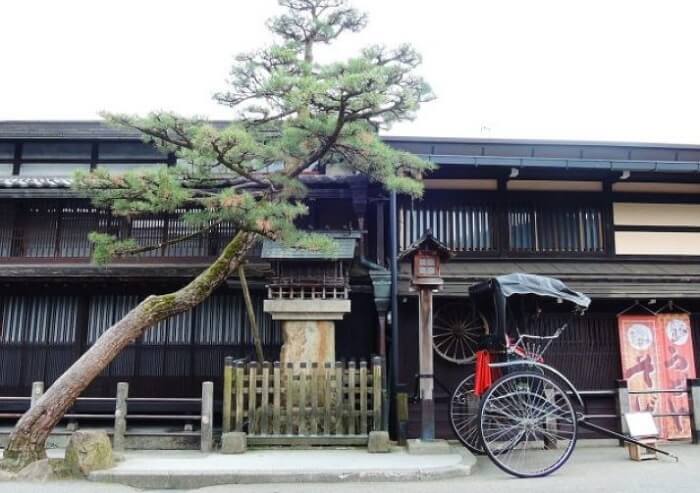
(308, 293)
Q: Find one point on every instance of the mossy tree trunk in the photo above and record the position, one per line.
(28, 440)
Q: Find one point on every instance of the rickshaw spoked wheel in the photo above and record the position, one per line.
(527, 424)
(464, 415)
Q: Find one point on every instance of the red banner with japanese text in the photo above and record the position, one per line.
(677, 366)
(640, 362)
(657, 354)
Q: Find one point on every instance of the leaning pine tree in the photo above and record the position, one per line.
(290, 114)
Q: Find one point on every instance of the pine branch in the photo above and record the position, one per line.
(163, 244)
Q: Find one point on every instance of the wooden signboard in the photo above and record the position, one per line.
(677, 366)
(657, 354)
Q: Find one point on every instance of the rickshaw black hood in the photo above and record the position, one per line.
(520, 283)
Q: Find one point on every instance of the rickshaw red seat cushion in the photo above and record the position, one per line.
(484, 376)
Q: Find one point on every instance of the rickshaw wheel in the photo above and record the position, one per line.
(527, 424)
(457, 331)
(464, 415)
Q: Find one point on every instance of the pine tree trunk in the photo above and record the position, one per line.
(28, 440)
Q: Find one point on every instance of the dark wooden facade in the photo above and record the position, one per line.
(54, 303)
(565, 210)
(562, 209)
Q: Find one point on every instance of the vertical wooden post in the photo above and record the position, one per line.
(363, 397)
(37, 392)
(377, 394)
(386, 406)
(240, 382)
(694, 400)
(425, 348)
(252, 398)
(303, 388)
(623, 405)
(314, 398)
(264, 398)
(207, 417)
(351, 397)
(328, 392)
(339, 398)
(120, 413)
(381, 334)
(276, 398)
(289, 397)
(228, 393)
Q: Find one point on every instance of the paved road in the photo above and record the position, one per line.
(590, 470)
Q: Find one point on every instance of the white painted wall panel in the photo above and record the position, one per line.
(656, 243)
(645, 214)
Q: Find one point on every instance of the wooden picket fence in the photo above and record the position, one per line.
(327, 404)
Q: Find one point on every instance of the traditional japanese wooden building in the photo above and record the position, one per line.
(617, 221)
(54, 303)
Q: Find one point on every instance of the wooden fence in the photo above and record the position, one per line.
(115, 409)
(313, 404)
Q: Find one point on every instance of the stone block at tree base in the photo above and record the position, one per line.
(431, 447)
(235, 442)
(378, 442)
(88, 451)
(43, 470)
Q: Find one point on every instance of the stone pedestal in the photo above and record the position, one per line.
(308, 328)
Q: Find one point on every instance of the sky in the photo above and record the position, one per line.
(566, 69)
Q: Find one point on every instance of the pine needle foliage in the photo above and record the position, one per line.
(290, 115)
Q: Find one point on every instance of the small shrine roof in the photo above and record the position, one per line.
(345, 242)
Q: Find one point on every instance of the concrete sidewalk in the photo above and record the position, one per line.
(190, 469)
(594, 468)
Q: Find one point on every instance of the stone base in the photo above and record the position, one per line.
(379, 442)
(308, 341)
(235, 442)
(88, 451)
(432, 447)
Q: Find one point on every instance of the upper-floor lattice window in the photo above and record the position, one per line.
(470, 223)
(545, 227)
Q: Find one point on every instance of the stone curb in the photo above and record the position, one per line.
(200, 479)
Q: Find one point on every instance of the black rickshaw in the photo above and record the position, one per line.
(520, 411)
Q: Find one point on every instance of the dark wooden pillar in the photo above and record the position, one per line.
(425, 361)
(381, 334)
(426, 255)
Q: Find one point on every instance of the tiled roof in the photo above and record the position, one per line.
(344, 249)
(63, 130)
(66, 182)
(35, 182)
(602, 279)
(78, 130)
(504, 153)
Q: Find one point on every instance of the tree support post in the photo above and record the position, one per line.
(257, 340)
